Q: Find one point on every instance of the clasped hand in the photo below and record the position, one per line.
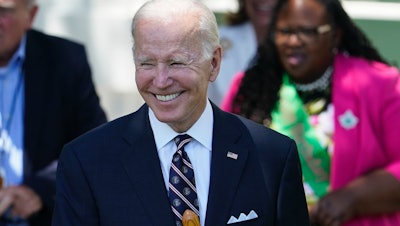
(333, 209)
(22, 200)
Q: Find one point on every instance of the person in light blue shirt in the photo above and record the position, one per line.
(47, 98)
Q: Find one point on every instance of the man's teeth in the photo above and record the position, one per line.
(167, 97)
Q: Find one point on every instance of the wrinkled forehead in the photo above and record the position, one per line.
(173, 38)
(169, 29)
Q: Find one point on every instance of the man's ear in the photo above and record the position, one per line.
(32, 14)
(215, 64)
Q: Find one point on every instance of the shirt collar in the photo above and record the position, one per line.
(21, 49)
(16, 59)
(201, 130)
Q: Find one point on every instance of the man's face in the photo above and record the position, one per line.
(15, 19)
(171, 74)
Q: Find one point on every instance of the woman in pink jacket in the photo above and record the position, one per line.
(319, 80)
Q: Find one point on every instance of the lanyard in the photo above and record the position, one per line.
(7, 119)
(6, 122)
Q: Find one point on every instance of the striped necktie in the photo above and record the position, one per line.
(182, 187)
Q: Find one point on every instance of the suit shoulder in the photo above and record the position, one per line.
(260, 134)
(113, 131)
(261, 130)
(53, 40)
(61, 57)
(104, 132)
(53, 46)
(268, 141)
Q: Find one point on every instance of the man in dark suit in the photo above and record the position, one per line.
(126, 172)
(47, 98)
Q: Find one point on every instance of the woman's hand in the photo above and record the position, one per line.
(333, 209)
(372, 194)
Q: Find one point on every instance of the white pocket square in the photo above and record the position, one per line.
(243, 217)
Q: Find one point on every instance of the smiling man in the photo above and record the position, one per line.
(179, 152)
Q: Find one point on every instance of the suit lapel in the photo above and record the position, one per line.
(141, 163)
(226, 171)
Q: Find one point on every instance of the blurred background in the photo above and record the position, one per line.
(103, 26)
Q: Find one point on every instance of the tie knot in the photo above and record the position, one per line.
(182, 140)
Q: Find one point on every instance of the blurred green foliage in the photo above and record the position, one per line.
(385, 36)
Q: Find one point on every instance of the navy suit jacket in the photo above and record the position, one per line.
(111, 176)
(60, 104)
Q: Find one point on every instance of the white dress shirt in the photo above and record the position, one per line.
(198, 150)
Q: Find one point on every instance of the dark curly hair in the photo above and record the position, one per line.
(258, 92)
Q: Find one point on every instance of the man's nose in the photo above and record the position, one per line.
(162, 78)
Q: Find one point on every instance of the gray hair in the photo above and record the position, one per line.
(167, 9)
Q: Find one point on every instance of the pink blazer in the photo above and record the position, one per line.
(366, 98)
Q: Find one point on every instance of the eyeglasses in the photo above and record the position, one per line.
(306, 35)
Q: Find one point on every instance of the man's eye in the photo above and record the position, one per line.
(146, 65)
(176, 63)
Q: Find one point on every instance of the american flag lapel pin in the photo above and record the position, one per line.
(232, 155)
